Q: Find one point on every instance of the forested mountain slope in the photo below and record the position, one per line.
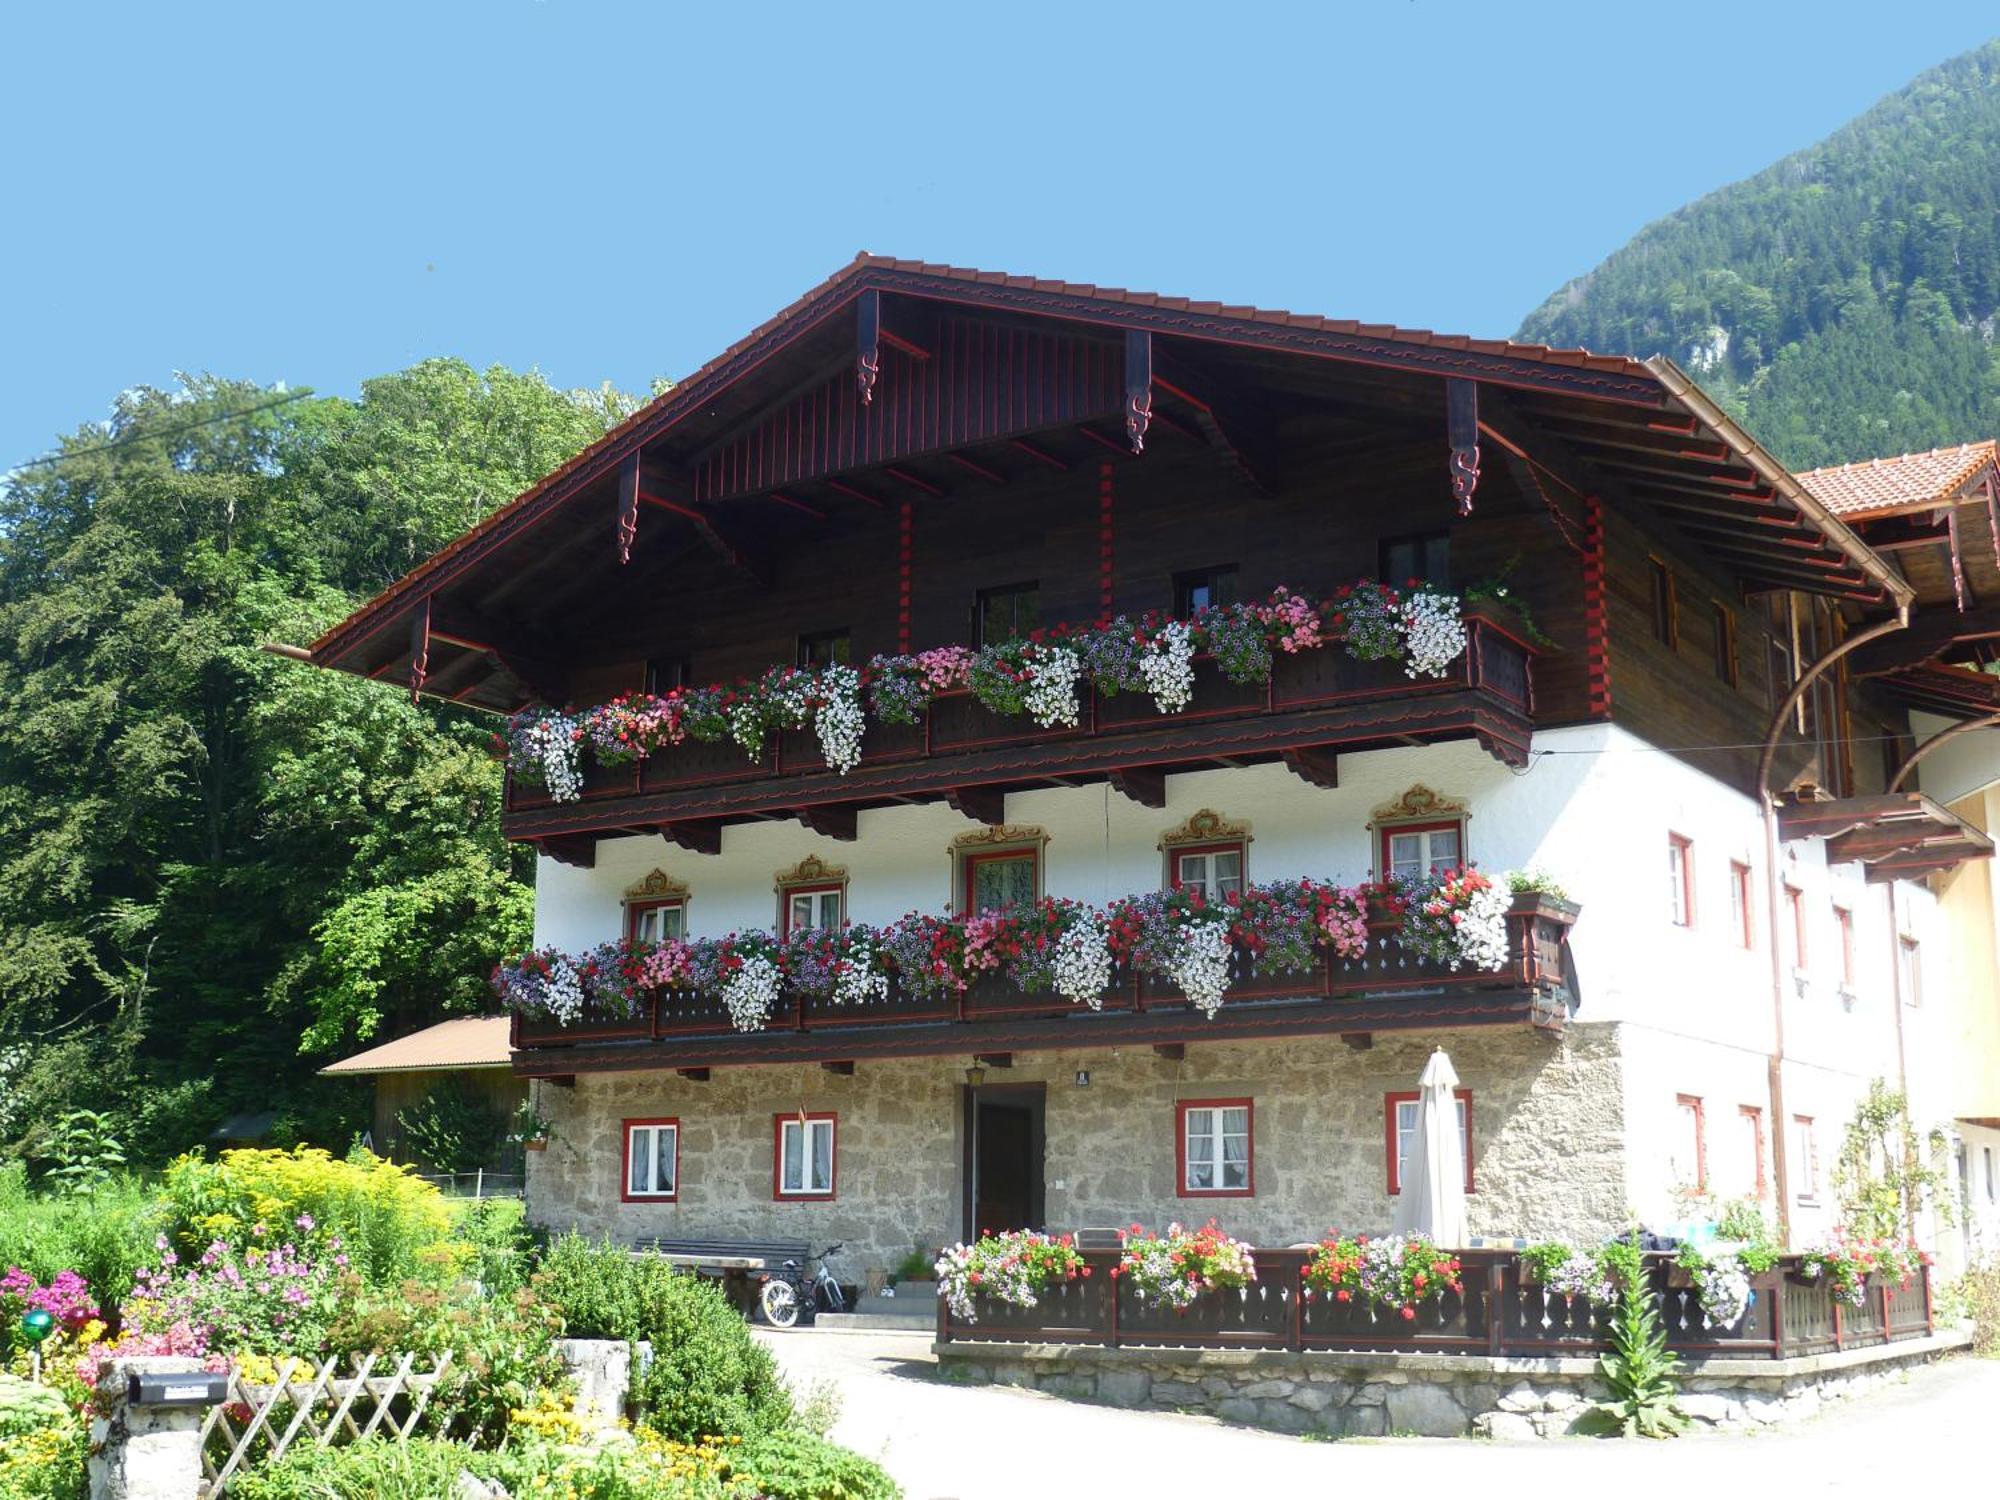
(1842, 302)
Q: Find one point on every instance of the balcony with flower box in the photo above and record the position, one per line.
(1384, 986)
(1314, 704)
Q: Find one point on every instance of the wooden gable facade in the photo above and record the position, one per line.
(907, 438)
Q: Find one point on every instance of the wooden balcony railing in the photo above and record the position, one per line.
(1532, 983)
(1498, 1314)
(1316, 697)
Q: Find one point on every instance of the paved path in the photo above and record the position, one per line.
(948, 1442)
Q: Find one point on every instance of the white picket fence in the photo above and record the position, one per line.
(259, 1422)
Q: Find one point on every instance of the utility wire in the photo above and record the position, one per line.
(171, 432)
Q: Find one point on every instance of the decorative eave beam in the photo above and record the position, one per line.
(420, 646)
(1145, 785)
(1904, 533)
(578, 849)
(1931, 859)
(1461, 420)
(1317, 767)
(1960, 589)
(1248, 443)
(1138, 386)
(867, 343)
(456, 625)
(1930, 635)
(733, 547)
(696, 838)
(982, 804)
(833, 822)
(628, 506)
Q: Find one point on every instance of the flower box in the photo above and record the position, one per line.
(1541, 904)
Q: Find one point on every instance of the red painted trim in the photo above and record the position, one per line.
(1389, 830)
(1180, 851)
(1411, 1096)
(1795, 901)
(633, 908)
(905, 551)
(1843, 923)
(1106, 536)
(625, 1193)
(1181, 1108)
(1755, 1116)
(778, 1193)
(1742, 891)
(1596, 629)
(1681, 847)
(1693, 1101)
(1809, 1167)
(971, 860)
(786, 892)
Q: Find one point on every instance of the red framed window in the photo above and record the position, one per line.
(803, 1156)
(656, 921)
(1215, 1148)
(1399, 1129)
(651, 1169)
(1690, 1143)
(999, 878)
(1414, 850)
(1795, 902)
(1740, 910)
(1910, 954)
(807, 906)
(1752, 1124)
(1680, 880)
(1805, 1158)
(1843, 923)
(1216, 870)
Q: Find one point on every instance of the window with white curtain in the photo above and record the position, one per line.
(1215, 1147)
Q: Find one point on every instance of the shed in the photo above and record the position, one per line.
(473, 1049)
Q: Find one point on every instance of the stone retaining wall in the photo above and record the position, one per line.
(1434, 1395)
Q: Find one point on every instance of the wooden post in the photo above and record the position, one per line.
(1461, 416)
(1778, 1315)
(1138, 386)
(628, 506)
(1496, 1289)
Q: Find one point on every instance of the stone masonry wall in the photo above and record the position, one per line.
(1547, 1141)
(1432, 1395)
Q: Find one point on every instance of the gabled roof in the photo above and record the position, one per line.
(1908, 481)
(1645, 435)
(462, 1042)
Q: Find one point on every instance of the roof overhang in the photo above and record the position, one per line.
(1895, 836)
(1643, 435)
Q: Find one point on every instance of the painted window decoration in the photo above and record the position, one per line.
(1805, 1159)
(805, 1164)
(1680, 880)
(1215, 870)
(1741, 919)
(1751, 1122)
(999, 878)
(812, 894)
(1690, 1157)
(1400, 1116)
(1215, 1148)
(652, 1160)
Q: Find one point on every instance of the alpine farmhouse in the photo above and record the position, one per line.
(1169, 613)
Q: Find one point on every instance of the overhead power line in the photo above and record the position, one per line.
(161, 433)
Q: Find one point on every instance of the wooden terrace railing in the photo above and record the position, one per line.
(1537, 931)
(1497, 1315)
(1495, 668)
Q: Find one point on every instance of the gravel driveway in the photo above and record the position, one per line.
(951, 1442)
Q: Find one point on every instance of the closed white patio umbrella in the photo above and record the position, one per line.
(1432, 1201)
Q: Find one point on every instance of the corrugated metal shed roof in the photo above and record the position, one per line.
(463, 1042)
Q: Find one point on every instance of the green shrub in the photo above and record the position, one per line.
(105, 1238)
(425, 1469)
(707, 1375)
(500, 1244)
(46, 1464)
(798, 1466)
(393, 1223)
(26, 1407)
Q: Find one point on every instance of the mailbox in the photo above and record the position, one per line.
(195, 1388)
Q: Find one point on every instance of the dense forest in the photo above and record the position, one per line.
(219, 867)
(1843, 302)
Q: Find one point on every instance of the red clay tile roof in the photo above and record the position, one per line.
(836, 283)
(463, 1042)
(1909, 481)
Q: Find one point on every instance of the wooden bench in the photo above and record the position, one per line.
(734, 1262)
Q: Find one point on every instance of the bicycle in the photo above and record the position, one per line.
(789, 1292)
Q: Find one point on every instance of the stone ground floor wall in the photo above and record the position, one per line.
(1547, 1130)
(1433, 1395)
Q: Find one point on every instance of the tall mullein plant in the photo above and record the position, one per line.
(1639, 1368)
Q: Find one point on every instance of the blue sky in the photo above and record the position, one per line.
(316, 193)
